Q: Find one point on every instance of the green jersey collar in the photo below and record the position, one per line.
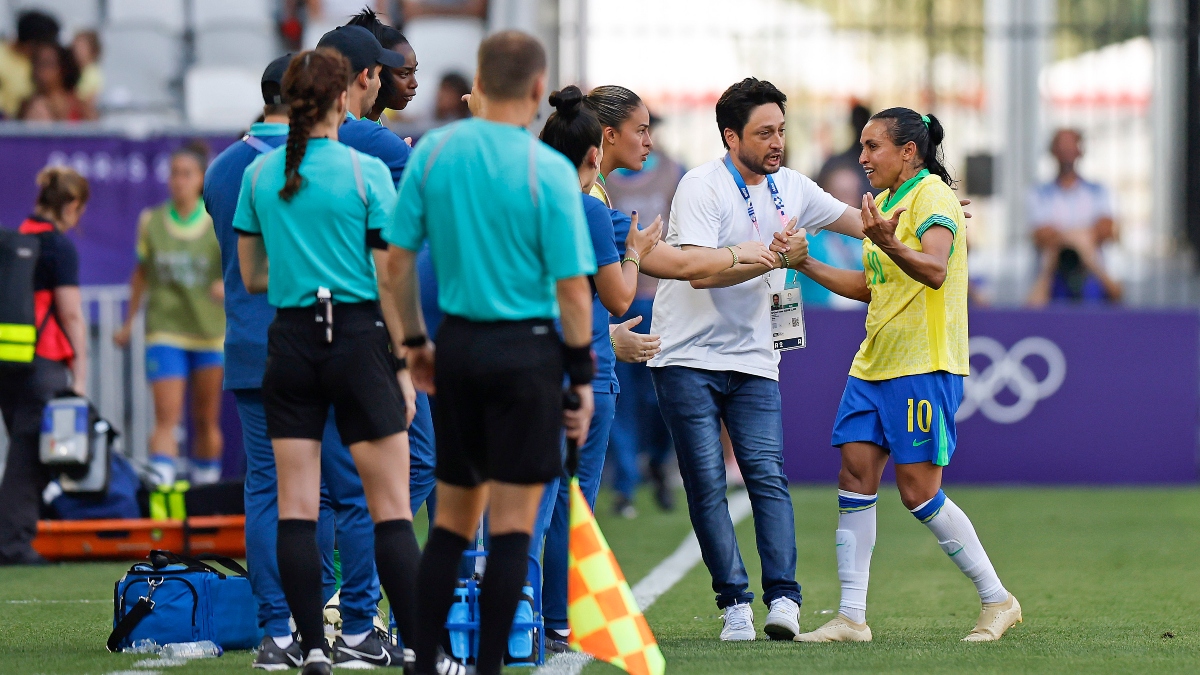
(893, 199)
(268, 129)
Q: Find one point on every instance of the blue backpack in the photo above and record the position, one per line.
(176, 598)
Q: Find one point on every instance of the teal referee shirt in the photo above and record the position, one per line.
(319, 238)
(503, 218)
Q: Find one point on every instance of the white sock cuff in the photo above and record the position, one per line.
(854, 495)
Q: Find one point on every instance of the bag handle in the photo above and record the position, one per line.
(130, 621)
(161, 558)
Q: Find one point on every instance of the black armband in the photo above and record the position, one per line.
(375, 240)
(580, 364)
(399, 363)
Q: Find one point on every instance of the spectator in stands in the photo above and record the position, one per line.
(16, 67)
(450, 106)
(1070, 219)
(847, 160)
(397, 86)
(844, 182)
(55, 75)
(86, 50)
(60, 360)
(179, 268)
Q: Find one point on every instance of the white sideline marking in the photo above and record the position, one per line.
(660, 580)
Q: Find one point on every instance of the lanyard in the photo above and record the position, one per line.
(741, 183)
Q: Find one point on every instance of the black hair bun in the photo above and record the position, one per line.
(568, 100)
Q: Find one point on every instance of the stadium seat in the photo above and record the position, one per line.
(142, 65)
(209, 14)
(73, 15)
(166, 15)
(248, 47)
(223, 98)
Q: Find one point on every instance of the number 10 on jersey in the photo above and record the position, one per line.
(924, 415)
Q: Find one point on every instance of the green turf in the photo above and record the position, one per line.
(1103, 575)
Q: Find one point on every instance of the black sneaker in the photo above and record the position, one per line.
(271, 657)
(663, 494)
(556, 642)
(448, 666)
(317, 663)
(376, 651)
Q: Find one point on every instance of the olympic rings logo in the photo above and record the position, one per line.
(1007, 370)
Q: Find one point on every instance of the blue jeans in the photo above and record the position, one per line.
(694, 402)
(343, 507)
(591, 467)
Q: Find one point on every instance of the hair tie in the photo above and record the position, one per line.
(925, 119)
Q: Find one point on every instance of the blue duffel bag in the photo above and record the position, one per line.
(176, 598)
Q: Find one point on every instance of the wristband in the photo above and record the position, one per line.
(613, 341)
(633, 259)
(416, 342)
(580, 364)
(399, 363)
(735, 256)
(786, 261)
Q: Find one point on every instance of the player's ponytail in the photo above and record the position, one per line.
(312, 85)
(572, 128)
(925, 131)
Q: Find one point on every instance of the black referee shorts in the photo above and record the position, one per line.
(305, 375)
(499, 402)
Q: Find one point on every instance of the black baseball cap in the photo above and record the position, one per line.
(272, 80)
(360, 46)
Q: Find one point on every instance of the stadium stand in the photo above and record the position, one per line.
(73, 15)
(222, 97)
(233, 33)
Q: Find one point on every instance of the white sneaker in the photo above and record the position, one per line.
(739, 623)
(783, 622)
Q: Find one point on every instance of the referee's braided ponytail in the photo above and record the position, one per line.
(906, 125)
(312, 85)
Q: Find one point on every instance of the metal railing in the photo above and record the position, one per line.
(117, 377)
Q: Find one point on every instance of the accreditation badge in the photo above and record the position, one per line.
(787, 318)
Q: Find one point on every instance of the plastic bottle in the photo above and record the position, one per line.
(520, 640)
(204, 649)
(143, 646)
(460, 613)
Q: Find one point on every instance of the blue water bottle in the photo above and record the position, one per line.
(460, 613)
(520, 640)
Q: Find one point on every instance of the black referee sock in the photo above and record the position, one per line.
(300, 576)
(499, 593)
(436, 581)
(397, 557)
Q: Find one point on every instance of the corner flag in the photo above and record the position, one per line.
(604, 618)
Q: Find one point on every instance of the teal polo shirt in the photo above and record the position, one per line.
(319, 238)
(503, 218)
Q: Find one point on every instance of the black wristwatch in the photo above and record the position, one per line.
(415, 342)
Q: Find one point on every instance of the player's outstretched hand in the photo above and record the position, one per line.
(632, 347)
(755, 253)
(642, 241)
(878, 229)
(420, 365)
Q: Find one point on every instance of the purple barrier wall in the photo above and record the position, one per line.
(1058, 396)
(126, 176)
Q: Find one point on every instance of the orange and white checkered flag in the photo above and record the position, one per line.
(605, 619)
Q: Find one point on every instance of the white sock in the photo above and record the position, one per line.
(164, 469)
(957, 537)
(283, 641)
(855, 543)
(356, 639)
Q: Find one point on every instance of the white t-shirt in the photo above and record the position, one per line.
(1065, 209)
(729, 329)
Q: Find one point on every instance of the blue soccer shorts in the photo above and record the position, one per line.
(164, 362)
(911, 417)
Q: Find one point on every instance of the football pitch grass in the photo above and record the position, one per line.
(1109, 580)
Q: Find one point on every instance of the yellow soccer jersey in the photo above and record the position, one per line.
(911, 328)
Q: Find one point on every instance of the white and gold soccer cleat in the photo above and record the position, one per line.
(994, 619)
(840, 629)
